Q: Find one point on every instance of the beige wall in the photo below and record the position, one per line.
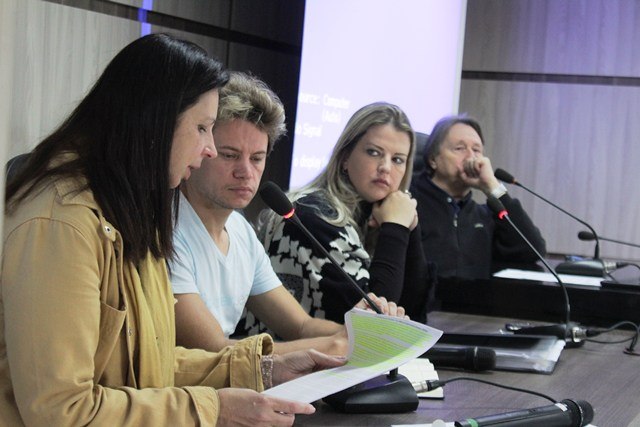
(57, 54)
(6, 90)
(52, 53)
(575, 142)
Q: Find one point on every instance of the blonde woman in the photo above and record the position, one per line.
(360, 211)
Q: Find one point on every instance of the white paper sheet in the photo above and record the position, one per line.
(377, 344)
(511, 273)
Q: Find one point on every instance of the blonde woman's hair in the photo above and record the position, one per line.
(333, 184)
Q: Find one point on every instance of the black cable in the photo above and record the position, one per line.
(433, 384)
(613, 279)
(609, 342)
(614, 327)
(634, 338)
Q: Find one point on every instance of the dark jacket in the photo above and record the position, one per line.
(465, 239)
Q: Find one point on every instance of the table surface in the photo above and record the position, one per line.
(600, 374)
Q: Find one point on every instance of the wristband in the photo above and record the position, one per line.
(499, 191)
(266, 366)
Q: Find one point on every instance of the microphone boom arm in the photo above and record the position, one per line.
(498, 208)
(596, 254)
(294, 218)
(277, 201)
(584, 235)
(551, 270)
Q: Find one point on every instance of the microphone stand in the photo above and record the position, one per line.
(583, 267)
(383, 394)
(296, 221)
(586, 236)
(567, 331)
(390, 393)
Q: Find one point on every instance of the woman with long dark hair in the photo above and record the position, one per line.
(87, 331)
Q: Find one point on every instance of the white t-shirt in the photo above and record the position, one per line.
(223, 282)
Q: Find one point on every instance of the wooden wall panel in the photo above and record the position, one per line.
(280, 20)
(57, 54)
(54, 50)
(586, 168)
(58, 51)
(576, 145)
(592, 37)
(214, 47)
(209, 12)
(212, 12)
(556, 86)
(7, 34)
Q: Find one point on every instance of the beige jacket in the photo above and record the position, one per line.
(69, 337)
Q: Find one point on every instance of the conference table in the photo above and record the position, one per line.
(600, 374)
(528, 299)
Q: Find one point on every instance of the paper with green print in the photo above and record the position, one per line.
(377, 344)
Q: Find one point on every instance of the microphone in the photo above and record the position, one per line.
(569, 267)
(568, 331)
(382, 394)
(567, 413)
(468, 358)
(590, 267)
(586, 235)
(278, 201)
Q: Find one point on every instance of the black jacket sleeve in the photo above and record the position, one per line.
(399, 270)
(386, 273)
(419, 277)
(508, 245)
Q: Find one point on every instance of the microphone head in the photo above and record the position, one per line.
(505, 176)
(275, 198)
(480, 358)
(496, 206)
(581, 411)
(586, 235)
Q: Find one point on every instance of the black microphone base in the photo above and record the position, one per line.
(587, 267)
(383, 394)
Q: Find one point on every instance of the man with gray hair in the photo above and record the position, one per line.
(463, 237)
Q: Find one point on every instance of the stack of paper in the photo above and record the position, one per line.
(377, 345)
(540, 276)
